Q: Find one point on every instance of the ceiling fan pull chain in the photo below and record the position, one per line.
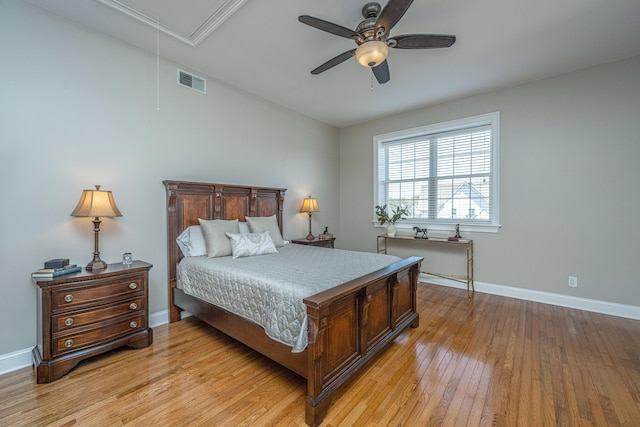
(158, 62)
(371, 78)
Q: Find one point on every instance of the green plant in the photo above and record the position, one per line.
(396, 214)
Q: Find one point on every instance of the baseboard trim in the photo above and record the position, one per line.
(17, 360)
(596, 306)
(158, 318)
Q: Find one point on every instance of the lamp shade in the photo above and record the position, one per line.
(96, 203)
(309, 205)
(372, 53)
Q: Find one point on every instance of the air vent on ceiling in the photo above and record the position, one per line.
(192, 81)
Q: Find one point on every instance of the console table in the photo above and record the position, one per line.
(466, 243)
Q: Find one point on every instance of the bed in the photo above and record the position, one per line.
(346, 326)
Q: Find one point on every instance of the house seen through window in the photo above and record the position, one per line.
(444, 174)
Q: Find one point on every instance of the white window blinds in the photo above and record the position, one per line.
(443, 174)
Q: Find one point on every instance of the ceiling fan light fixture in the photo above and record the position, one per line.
(372, 53)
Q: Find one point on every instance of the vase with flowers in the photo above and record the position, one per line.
(396, 214)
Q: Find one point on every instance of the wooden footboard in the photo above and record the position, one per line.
(352, 323)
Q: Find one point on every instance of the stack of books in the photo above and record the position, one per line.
(55, 268)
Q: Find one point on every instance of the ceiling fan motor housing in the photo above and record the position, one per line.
(367, 28)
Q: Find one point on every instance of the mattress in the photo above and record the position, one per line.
(268, 289)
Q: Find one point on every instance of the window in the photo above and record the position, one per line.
(446, 173)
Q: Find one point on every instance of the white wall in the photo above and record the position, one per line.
(569, 175)
(78, 108)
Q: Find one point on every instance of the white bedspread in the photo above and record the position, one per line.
(269, 289)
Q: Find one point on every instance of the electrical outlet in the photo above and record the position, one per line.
(573, 282)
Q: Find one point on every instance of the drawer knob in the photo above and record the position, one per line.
(68, 321)
(133, 306)
(68, 343)
(68, 298)
(133, 324)
(133, 286)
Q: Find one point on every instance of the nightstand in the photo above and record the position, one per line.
(87, 313)
(323, 243)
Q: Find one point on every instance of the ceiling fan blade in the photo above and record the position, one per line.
(390, 15)
(382, 72)
(334, 61)
(329, 27)
(422, 41)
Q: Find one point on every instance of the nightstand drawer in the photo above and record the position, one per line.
(96, 291)
(75, 319)
(111, 331)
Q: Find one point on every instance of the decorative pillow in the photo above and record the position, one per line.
(244, 228)
(260, 224)
(215, 238)
(251, 244)
(191, 241)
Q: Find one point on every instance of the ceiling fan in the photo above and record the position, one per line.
(373, 39)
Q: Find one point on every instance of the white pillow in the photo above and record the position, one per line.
(191, 241)
(215, 238)
(260, 224)
(243, 245)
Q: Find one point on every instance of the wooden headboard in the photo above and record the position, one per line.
(188, 201)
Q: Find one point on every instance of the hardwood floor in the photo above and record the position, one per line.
(490, 361)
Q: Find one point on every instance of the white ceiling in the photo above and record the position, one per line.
(260, 47)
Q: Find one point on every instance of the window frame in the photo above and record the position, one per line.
(489, 119)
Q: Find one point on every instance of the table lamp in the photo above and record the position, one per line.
(309, 205)
(96, 203)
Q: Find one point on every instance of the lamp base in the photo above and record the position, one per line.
(96, 264)
(310, 235)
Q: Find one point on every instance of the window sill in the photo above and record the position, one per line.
(406, 227)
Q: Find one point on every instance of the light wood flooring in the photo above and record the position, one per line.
(489, 361)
